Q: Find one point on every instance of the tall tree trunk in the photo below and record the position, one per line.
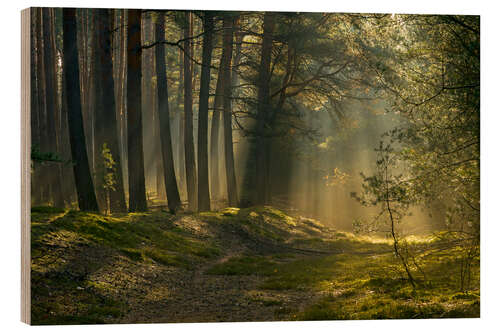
(36, 106)
(107, 110)
(123, 102)
(51, 102)
(68, 176)
(214, 134)
(87, 76)
(263, 110)
(203, 187)
(174, 201)
(232, 194)
(147, 95)
(137, 188)
(93, 95)
(180, 147)
(98, 122)
(44, 184)
(160, 184)
(188, 115)
(84, 185)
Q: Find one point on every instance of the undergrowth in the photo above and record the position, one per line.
(88, 268)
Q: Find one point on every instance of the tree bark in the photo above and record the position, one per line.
(188, 116)
(263, 110)
(84, 186)
(181, 166)
(107, 110)
(232, 194)
(137, 188)
(174, 201)
(36, 104)
(215, 135)
(203, 187)
(53, 173)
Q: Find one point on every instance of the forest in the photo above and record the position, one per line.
(207, 166)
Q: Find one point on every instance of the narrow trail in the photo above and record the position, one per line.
(196, 296)
(153, 292)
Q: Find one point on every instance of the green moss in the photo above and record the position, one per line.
(133, 254)
(167, 258)
(360, 278)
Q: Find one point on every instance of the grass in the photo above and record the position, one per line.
(71, 249)
(89, 268)
(358, 286)
(245, 265)
(138, 236)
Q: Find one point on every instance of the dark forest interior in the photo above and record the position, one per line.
(250, 166)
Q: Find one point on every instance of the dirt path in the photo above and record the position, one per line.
(194, 296)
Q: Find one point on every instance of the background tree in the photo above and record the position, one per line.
(51, 102)
(232, 193)
(174, 201)
(106, 110)
(84, 185)
(137, 188)
(203, 185)
(190, 162)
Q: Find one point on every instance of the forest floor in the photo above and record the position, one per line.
(253, 264)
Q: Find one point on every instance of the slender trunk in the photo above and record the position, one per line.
(84, 185)
(160, 184)
(174, 201)
(107, 112)
(263, 110)
(86, 79)
(232, 194)
(203, 187)
(42, 100)
(397, 250)
(36, 106)
(215, 136)
(98, 122)
(147, 95)
(69, 180)
(180, 146)
(123, 102)
(137, 188)
(51, 103)
(188, 116)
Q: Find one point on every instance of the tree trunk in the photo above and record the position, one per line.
(53, 173)
(84, 186)
(263, 110)
(107, 110)
(181, 167)
(214, 135)
(123, 102)
(203, 187)
(188, 116)
(137, 188)
(174, 201)
(232, 194)
(42, 100)
(36, 105)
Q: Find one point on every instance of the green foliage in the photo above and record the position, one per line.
(105, 174)
(37, 156)
(106, 169)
